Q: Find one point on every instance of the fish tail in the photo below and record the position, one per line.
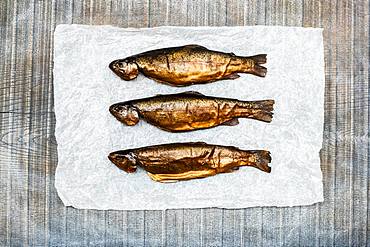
(257, 69)
(259, 59)
(260, 110)
(263, 158)
(266, 105)
(264, 110)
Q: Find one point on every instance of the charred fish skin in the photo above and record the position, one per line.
(183, 161)
(186, 65)
(189, 111)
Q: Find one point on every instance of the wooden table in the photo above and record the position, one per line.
(31, 212)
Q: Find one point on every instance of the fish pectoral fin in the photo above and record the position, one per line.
(170, 178)
(233, 169)
(231, 76)
(192, 93)
(231, 122)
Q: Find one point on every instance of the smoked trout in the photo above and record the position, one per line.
(186, 65)
(190, 111)
(184, 161)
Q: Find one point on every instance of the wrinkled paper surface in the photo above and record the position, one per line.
(84, 88)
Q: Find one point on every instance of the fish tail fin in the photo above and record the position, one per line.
(263, 158)
(260, 110)
(257, 69)
(264, 110)
(263, 116)
(259, 59)
(265, 105)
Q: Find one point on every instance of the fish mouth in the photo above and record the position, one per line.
(111, 158)
(111, 65)
(112, 110)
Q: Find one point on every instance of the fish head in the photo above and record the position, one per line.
(124, 160)
(125, 113)
(127, 70)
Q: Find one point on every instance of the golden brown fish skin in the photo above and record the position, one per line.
(186, 65)
(190, 111)
(184, 161)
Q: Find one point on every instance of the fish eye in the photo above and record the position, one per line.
(122, 65)
(121, 108)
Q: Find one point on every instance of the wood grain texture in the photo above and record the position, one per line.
(31, 212)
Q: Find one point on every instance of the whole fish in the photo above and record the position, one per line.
(186, 65)
(184, 161)
(190, 111)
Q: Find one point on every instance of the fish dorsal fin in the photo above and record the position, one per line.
(193, 46)
(201, 143)
(192, 93)
(184, 93)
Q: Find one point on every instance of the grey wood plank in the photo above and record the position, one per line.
(158, 12)
(4, 118)
(212, 227)
(234, 11)
(275, 13)
(18, 206)
(196, 13)
(326, 223)
(216, 13)
(360, 123)
(343, 159)
(252, 234)
(116, 230)
(118, 14)
(75, 231)
(101, 10)
(290, 228)
(176, 12)
(231, 227)
(138, 13)
(82, 13)
(255, 12)
(153, 228)
(38, 235)
(193, 227)
(95, 227)
(57, 218)
(273, 225)
(174, 223)
(135, 228)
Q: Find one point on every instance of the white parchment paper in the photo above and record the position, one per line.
(84, 88)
